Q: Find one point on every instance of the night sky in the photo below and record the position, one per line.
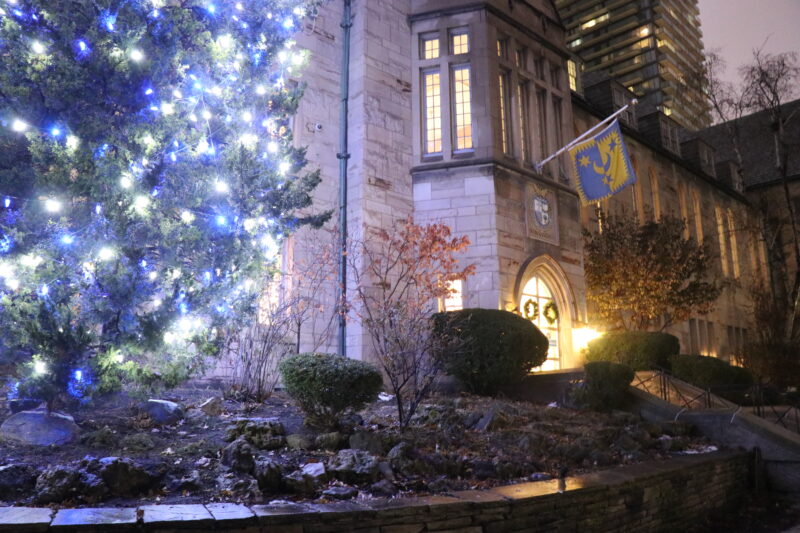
(736, 27)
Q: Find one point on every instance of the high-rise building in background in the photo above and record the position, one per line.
(653, 47)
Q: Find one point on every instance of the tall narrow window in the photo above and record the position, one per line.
(432, 100)
(522, 111)
(538, 68)
(541, 104)
(698, 216)
(459, 42)
(429, 46)
(520, 58)
(734, 248)
(463, 107)
(683, 209)
(502, 48)
(558, 120)
(723, 247)
(572, 70)
(454, 301)
(656, 192)
(504, 131)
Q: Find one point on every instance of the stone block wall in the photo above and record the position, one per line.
(675, 495)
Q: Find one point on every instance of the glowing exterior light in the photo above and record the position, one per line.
(221, 187)
(167, 109)
(136, 55)
(38, 48)
(261, 90)
(51, 205)
(12, 283)
(67, 239)
(39, 367)
(105, 254)
(44, 290)
(73, 142)
(55, 132)
(221, 220)
(272, 147)
(187, 217)
(284, 167)
(119, 358)
(141, 203)
(125, 182)
(152, 276)
(247, 116)
(79, 375)
(581, 337)
(19, 125)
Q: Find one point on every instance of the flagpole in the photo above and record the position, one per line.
(585, 134)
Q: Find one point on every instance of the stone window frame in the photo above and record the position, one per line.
(537, 70)
(444, 64)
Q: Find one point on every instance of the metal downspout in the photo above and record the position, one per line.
(343, 156)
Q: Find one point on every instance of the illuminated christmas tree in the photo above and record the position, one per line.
(147, 177)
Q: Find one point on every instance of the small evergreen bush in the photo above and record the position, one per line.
(327, 385)
(640, 350)
(721, 378)
(605, 386)
(496, 348)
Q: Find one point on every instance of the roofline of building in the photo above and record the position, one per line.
(486, 6)
(772, 182)
(579, 100)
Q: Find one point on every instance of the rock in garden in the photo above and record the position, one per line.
(269, 475)
(340, 493)
(163, 412)
(308, 479)
(482, 469)
(192, 482)
(124, 477)
(298, 441)
(92, 487)
(354, 466)
(212, 406)
(57, 483)
(331, 441)
(262, 433)
(23, 404)
(39, 428)
(238, 455)
(16, 479)
(370, 441)
(383, 488)
(493, 420)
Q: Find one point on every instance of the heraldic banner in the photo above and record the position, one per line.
(602, 165)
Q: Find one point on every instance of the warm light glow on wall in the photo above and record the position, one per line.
(581, 337)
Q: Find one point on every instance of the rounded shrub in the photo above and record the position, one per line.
(605, 386)
(640, 350)
(711, 373)
(493, 348)
(325, 386)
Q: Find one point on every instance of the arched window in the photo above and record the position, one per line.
(538, 305)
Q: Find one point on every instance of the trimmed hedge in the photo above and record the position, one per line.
(494, 348)
(640, 350)
(327, 385)
(710, 372)
(605, 386)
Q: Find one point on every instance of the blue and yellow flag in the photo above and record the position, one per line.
(602, 165)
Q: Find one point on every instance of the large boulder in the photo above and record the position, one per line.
(58, 483)
(308, 480)
(16, 480)
(263, 433)
(124, 477)
(370, 441)
(17, 405)
(238, 455)
(354, 466)
(269, 475)
(39, 428)
(164, 412)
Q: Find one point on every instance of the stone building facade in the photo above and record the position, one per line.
(687, 180)
(451, 103)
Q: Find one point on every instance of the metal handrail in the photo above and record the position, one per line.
(660, 382)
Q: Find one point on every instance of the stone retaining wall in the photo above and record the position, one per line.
(673, 495)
